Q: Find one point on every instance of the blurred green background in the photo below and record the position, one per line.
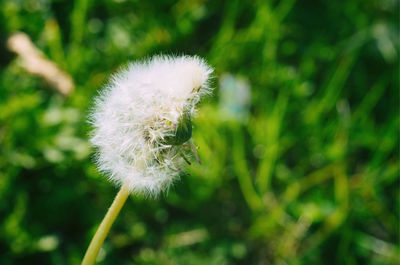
(300, 144)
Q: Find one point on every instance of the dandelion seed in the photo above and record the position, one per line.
(142, 121)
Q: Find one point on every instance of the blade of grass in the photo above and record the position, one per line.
(271, 140)
(243, 173)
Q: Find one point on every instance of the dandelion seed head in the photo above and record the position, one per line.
(138, 113)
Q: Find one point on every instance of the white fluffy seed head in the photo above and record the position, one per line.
(137, 111)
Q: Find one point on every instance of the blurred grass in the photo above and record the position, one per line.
(301, 168)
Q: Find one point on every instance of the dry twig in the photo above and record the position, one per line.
(35, 62)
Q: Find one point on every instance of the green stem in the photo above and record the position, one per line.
(104, 228)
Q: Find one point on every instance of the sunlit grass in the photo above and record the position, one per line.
(305, 172)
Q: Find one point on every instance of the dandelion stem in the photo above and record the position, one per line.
(104, 228)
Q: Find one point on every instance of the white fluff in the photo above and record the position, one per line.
(134, 113)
